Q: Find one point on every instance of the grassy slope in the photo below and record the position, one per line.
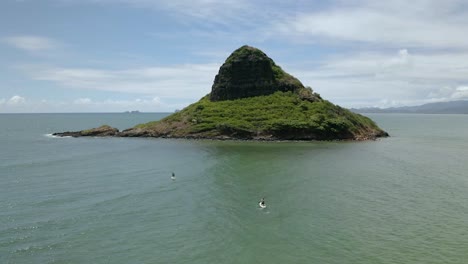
(277, 116)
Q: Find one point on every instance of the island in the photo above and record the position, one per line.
(252, 98)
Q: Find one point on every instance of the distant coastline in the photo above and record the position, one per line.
(452, 107)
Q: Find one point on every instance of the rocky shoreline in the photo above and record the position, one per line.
(108, 131)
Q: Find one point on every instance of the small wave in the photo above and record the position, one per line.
(15, 240)
(20, 228)
(32, 249)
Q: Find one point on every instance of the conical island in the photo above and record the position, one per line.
(252, 98)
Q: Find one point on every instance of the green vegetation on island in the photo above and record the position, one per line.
(282, 115)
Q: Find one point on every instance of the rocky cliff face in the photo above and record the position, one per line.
(249, 72)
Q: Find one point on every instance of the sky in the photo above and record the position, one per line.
(159, 56)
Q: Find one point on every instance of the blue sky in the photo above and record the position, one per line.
(156, 56)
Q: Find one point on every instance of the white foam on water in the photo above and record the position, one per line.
(52, 136)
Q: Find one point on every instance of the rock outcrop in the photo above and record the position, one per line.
(102, 131)
(249, 72)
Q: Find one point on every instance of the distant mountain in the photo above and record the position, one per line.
(453, 107)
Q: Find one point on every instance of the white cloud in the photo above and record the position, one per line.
(14, 104)
(382, 79)
(442, 92)
(180, 81)
(156, 101)
(111, 105)
(150, 104)
(204, 9)
(82, 101)
(426, 24)
(200, 9)
(460, 93)
(30, 43)
(124, 103)
(209, 14)
(16, 100)
(449, 93)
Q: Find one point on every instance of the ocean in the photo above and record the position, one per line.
(402, 199)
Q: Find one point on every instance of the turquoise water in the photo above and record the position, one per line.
(111, 200)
